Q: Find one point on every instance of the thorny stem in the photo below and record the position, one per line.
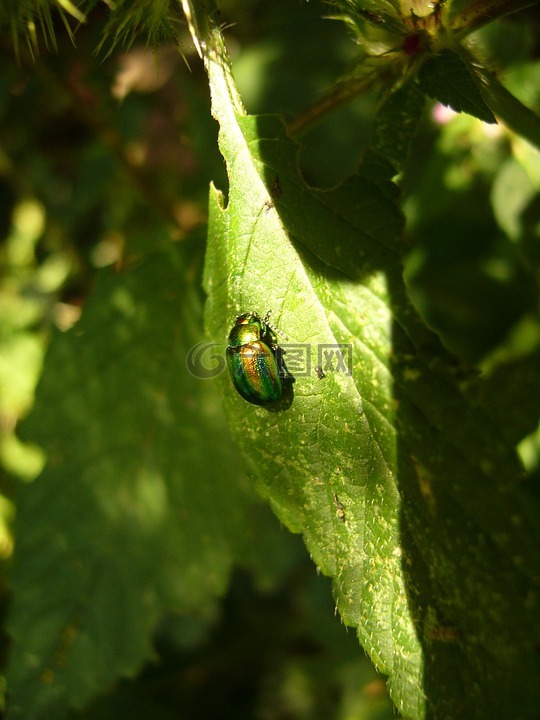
(335, 98)
(339, 95)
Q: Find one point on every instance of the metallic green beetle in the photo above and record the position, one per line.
(253, 360)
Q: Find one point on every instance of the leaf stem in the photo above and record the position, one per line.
(342, 93)
(482, 12)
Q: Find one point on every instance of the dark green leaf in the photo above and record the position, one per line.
(449, 79)
(396, 123)
(142, 506)
(514, 379)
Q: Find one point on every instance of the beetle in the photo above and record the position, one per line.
(254, 360)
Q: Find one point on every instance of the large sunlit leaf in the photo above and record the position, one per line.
(325, 456)
(402, 488)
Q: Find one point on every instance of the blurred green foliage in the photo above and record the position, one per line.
(105, 161)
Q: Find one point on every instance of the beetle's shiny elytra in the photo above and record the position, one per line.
(252, 357)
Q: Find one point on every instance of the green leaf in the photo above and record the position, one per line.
(449, 79)
(336, 434)
(142, 507)
(403, 490)
(396, 124)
